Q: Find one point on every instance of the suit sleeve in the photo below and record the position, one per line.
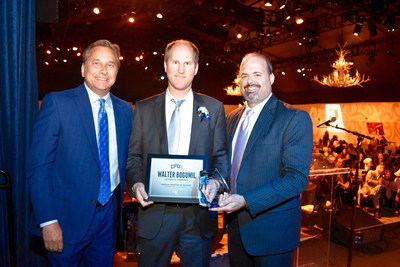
(134, 169)
(293, 171)
(220, 158)
(41, 160)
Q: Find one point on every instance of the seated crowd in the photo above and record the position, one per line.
(378, 182)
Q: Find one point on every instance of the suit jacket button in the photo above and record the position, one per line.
(98, 175)
(94, 201)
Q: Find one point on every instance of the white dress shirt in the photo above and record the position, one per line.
(252, 121)
(186, 112)
(112, 134)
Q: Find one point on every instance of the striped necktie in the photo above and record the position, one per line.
(174, 128)
(240, 145)
(105, 184)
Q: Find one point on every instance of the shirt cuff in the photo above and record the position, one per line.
(47, 223)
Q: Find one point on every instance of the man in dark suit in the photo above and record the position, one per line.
(68, 163)
(269, 174)
(185, 228)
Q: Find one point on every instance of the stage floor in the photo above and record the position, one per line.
(316, 249)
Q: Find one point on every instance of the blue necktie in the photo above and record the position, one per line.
(174, 128)
(240, 146)
(105, 186)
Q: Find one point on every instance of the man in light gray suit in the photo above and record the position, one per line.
(269, 170)
(167, 227)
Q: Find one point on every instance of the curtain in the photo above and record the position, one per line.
(18, 109)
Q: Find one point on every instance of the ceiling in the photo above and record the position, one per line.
(212, 25)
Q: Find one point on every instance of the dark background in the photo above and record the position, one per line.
(212, 25)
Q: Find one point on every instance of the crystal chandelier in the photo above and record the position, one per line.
(341, 76)
(234, 89)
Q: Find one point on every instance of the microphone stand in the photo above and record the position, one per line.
(360, 138)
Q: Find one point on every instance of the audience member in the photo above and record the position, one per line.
(372, 187)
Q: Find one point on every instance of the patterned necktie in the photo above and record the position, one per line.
(105, 186)
(174, 128)
(240, 146)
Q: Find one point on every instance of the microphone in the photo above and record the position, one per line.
(333, 119)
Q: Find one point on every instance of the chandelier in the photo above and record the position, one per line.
(234, 89)
(341, 76)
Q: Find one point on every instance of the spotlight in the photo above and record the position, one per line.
(298, 16)
(260, 31)
(239, 33)
(299, 20)
(359, 26)
(96, 10)
(392, 26)
(267, 3)
(286, 14)
(159, 15)
(281, 4)
(357, 29)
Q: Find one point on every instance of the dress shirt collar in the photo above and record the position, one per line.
(257, 109)
(93, 97)
(188, 98)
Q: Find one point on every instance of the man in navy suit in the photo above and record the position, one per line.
(264, 210)
(64, 171)
(185, 228)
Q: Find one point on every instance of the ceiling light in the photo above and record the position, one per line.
(239, 33)
(131, 19)
(359, 26)
(267, 3)
(260, 31)
(340, 76)
(96, 10)
(357, 29)
(286, 14)
(159, 15)
(281, 4)
(299, 16)
(392, 26)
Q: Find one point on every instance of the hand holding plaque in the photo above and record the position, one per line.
(211, 186)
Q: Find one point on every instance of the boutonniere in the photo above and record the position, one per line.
(203, 113)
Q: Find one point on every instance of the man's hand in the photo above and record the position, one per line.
(52, 237)
(231, 204)
(141, 195)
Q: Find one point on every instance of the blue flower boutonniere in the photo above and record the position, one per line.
(203, 113)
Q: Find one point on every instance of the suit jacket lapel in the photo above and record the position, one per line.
(263, 123)
(232, 129)
(118, 124)
(160, 124)
(84, 107)
(194, 135)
